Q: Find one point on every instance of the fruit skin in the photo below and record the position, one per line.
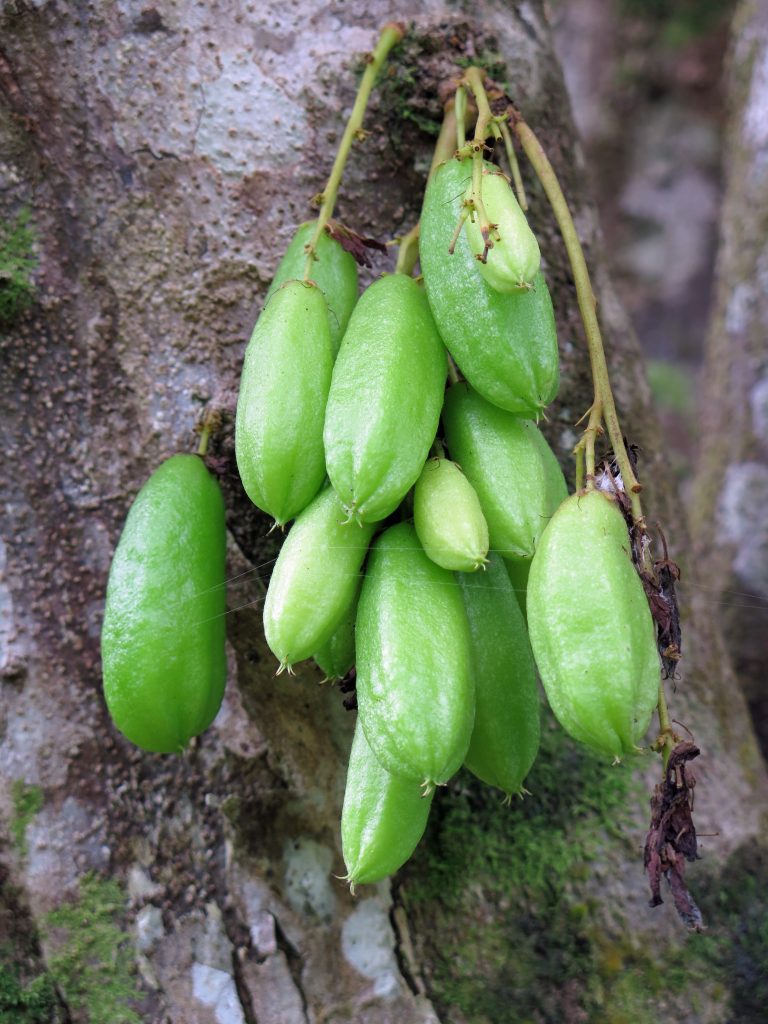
(505, 738)
(383, 817)
(315, 579)
(334, 271)
(415, 689)
(385, 398)
(590, 626)
(337, 655)
(510, 465)
(162, 641)
(514, 260)
(448, 518)
(505, 345)
(281, 406)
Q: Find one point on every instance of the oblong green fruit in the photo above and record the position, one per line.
(510, 465)
(333, 270)
(162, 641)
(384, 403)
(415, 689)
(514, 258)
(281, 405)
(590, 626)
(505, 345)
(315, 579)
(337, 655)
(383, 817)
(448, 518)
(505, 738)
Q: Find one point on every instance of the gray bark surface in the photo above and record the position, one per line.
(730, 522)
(167, 154)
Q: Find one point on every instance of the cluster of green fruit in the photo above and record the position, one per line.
(337, 424)
(338, 412)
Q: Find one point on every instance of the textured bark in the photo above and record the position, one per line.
(167, 154)
(729, 511)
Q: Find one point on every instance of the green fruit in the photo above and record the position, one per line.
(590, 626)
(162, 642)
(449, 521)
(510, 465)
(333, 270)
(314, 581)
(505, 345)
(383, 817)
(281, 406)
(385, 398)
(414, 678)
(514, 258)
(518, 570)
(505, 739)
(337, 655)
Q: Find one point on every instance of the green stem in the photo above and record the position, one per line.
(665, 726)
(390, 35)
(514, 166)
(205, 436)
(485, 125)
(460, 106)
(588, 308)
(408, 252)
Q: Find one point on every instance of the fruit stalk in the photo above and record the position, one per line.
(391, 34)
(603, 406)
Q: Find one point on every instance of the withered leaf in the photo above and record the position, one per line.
(671, 839)
(356, 245)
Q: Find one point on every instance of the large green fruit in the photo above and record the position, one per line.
(162, 642)
(509, 464)
(383, 817)
(315, 579)
(281, 406)
(333, 270)
(414, 676)
(505, 738)
(385, 398)
(590, 626)
(504, 344)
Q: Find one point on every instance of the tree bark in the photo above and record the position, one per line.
(167, 154)
(729, 508)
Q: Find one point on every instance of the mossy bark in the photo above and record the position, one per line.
(166, 153)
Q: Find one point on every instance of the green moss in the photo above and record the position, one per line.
(33, 1002)
(17, 263)
(517, 872)
(93, 960)
(542, 941)
(27, 801)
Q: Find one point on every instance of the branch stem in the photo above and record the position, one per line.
(390, 35)
(588, 308)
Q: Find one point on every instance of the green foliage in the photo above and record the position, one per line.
(20, 1003)
(17, 263)
(93, 961)
(27, 801)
